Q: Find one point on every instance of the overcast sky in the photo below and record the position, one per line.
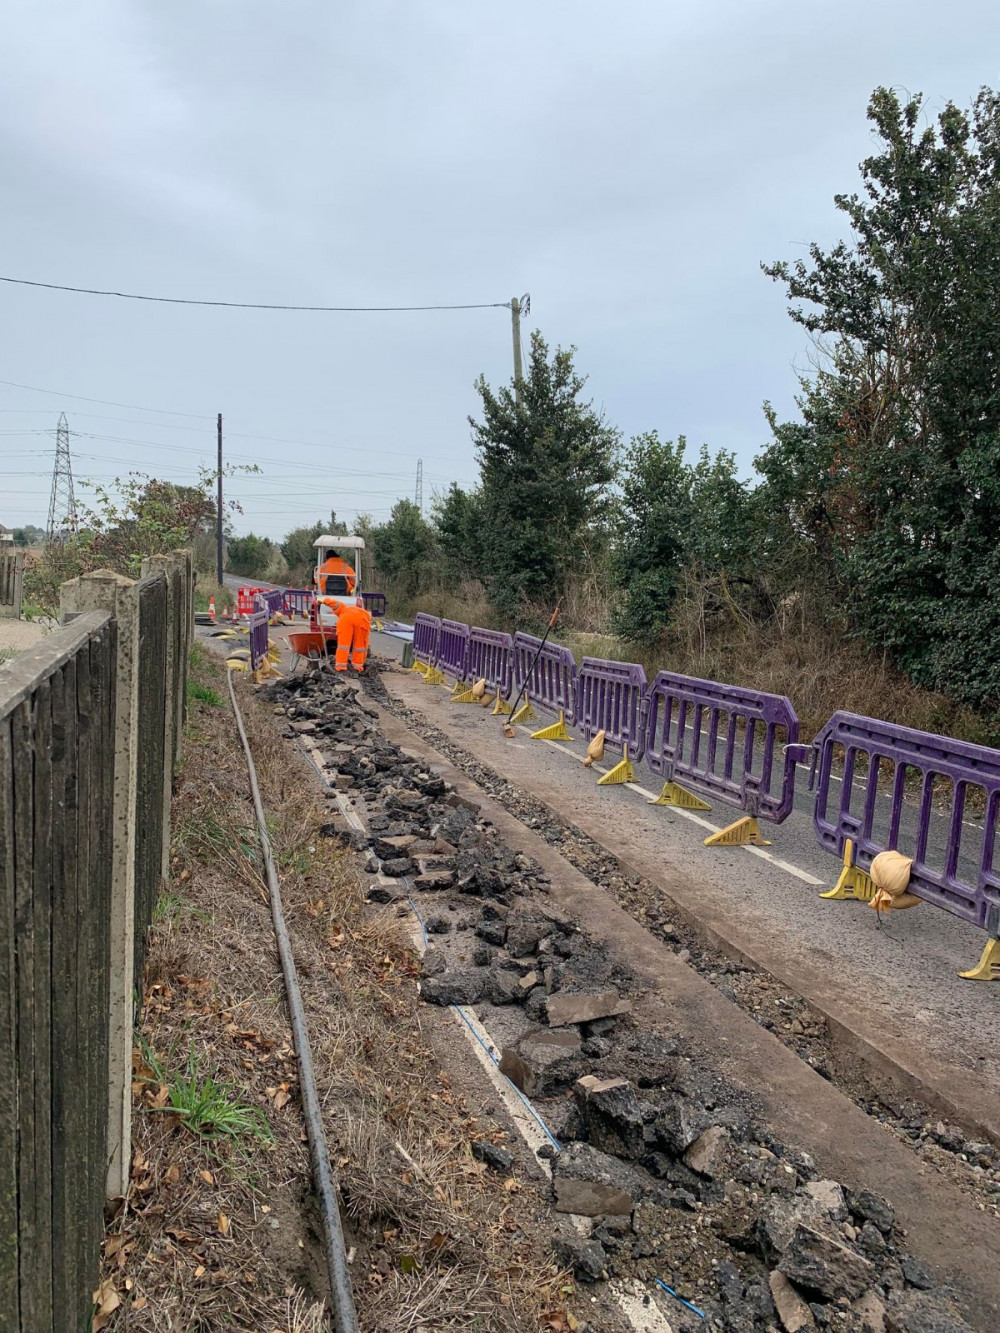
(629, 164)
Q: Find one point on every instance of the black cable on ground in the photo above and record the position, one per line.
(345, 1317)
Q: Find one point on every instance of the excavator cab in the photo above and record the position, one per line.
(338, 573)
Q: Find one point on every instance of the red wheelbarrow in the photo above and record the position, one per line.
(310, 644)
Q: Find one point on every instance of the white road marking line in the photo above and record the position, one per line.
(761, 852)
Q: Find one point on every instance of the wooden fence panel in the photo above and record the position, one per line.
(9, 1300)
(152, 685)
(56, 809)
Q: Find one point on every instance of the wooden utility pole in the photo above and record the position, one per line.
(515, 320)
(218, 511)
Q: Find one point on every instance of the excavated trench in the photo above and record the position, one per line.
(682, 1178)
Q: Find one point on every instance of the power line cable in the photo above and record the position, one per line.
(106, 402)
(254, 305)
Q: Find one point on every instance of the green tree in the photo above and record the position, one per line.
(676, 518)
(899, 447)
(458, 518)
(29, 535)
(250, 555)
(546, 461)
(127, 520)
(403, 550)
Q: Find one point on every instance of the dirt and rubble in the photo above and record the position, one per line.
(678, 1172)
(968, 1160)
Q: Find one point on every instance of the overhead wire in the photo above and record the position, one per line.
(253, 305)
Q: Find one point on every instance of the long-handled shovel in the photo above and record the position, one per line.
(508, 729)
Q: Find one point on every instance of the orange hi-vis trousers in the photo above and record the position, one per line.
(354, 627)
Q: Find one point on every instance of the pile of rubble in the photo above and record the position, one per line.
(680, 1180)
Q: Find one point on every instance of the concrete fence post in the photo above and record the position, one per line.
(107, 591)
(11, 578)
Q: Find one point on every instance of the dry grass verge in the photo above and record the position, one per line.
(816, 668)
(219, 1230)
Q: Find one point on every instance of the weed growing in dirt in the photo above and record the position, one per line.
(203, 662)
(204, 694)
(209, 1109)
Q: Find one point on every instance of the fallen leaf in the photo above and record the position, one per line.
(408, 1265)
(162, 1096)
(185, 1237)
(139, 1303)
(107, 1301)
(282, 1098)
(172, 1174)
(223, 1224)
(207, 1177)
(200, 1271)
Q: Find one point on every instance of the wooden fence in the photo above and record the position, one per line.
(11, 575)
(89, 727)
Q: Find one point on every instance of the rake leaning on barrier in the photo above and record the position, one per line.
(549, 679)
(966, 886)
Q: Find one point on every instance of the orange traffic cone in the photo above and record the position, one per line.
(211, 607)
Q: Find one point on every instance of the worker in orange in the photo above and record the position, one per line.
(354, 628)
(333, 564)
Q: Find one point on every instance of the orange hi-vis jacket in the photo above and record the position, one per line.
(354, 627)
(333, 564)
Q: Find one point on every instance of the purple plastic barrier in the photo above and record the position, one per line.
(552, 681)
(453, 648)
(964, 881)
(693, 737)
(426, 636)
(258, 633)
(297, 601)
(611, 697)
(274, 600)
(491, 659)
(375, 603)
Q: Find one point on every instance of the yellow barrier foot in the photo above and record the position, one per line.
(745, 832)
(853, 882)
(557, 731)
(500, 706)
(524, 714)
(988, 967)
(622, 772)
(434, 677)
(459, 689)
(421, 668)
(463, 695)
(674, 794)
